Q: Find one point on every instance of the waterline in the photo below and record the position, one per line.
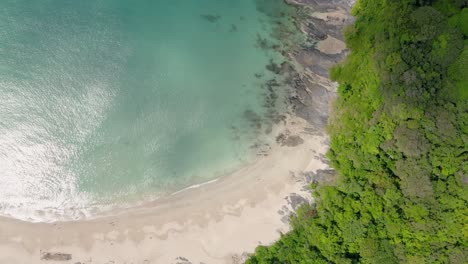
(108, 103)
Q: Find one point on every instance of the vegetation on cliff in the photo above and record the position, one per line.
(399, 143)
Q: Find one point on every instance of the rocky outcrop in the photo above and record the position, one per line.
(323, 25)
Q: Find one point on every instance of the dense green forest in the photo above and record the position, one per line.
(399, 143)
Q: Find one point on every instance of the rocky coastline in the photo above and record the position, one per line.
(313, 91)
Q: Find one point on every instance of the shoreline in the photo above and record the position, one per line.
(195, 186)
(221, 220)
(193, 224)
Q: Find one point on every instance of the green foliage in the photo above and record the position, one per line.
(458, 77)
(449, 7)
(460, 21)
(399, 141)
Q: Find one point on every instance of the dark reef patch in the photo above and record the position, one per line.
(273, 67)
(254, 119)
(233, 28)
(211, 18)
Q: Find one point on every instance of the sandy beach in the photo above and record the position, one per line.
(222, 221)
(214, 223)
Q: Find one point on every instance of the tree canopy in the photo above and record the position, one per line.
(399, 143)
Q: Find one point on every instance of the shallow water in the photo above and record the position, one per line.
(104, 103)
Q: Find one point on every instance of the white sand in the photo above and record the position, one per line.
(214, 223)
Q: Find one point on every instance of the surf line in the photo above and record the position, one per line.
(195, 186)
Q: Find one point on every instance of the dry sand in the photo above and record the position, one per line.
(216, 223)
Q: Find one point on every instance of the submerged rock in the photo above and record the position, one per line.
(211, 18)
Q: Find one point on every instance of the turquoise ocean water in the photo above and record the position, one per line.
(104, 103)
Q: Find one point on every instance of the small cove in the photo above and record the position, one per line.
(105, 103)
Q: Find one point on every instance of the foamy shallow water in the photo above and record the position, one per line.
(104, 103)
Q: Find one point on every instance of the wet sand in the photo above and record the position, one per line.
(214, 223)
